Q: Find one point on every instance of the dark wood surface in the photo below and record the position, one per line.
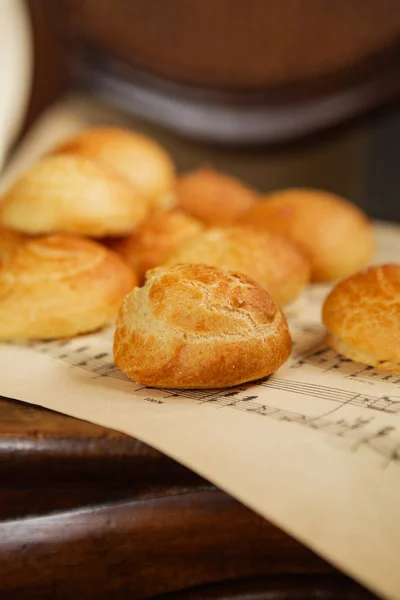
(86, 512)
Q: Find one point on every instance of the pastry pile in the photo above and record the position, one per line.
(197, 270)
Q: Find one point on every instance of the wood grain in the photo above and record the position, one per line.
(295, 587)
(92, 513)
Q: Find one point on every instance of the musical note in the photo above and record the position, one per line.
(327, 359)
(340, 393)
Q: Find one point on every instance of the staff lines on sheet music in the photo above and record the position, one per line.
(384, 441)
(386, 404)
(327, 360)
(102, 365)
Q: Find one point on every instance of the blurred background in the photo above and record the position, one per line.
(279, 92)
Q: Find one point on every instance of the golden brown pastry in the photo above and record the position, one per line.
(274, 262)
(336, 236)
(131, 155)
(71, 194)
(362, 315)
(60, 286)
(193, 326)
(9, 241)
(156, 237)
(212, 197)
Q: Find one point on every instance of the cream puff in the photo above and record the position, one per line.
(194, 326)
(60, 286)
(362, 316)
(336, 236)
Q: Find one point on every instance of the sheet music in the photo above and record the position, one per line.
(315, 447)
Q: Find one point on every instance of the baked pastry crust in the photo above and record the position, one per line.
(9, 241)
(336, 236)
(193, 326)
(133, 156)
(362, 315)
(60, 286)
(156, 237)
(271, 260)
(213, 197)
(71, 194)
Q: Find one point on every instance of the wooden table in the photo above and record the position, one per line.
(86, 512)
